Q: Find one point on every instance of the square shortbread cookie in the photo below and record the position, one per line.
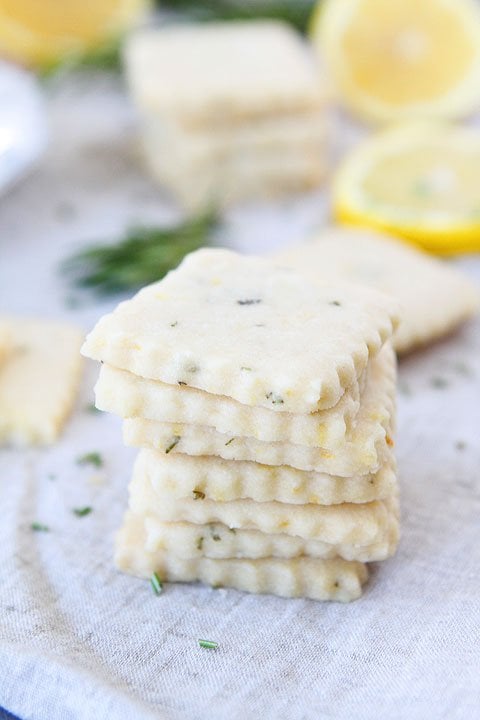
(434, 296)
(189, 540)
(39, 381)
(220, 166)
(363, 451)
(358, 524)
(239, 326)
(213, 478)
(127, 395)
(318, 579)
(265, 70)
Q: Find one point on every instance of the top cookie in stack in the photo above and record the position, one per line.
(229, 111)
(265, 408)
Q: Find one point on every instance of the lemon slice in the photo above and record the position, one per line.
(41, 33)
(421, 182)
(402, 59)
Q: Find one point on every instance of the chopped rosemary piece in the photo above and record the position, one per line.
(198, 495)
(39, 527)
(253, 301)
(229, 441)
(200, 543)
(173, 444)
(92, 408)
(210, 644)
(144, 255)
(174, 324)
(336, 303)
(91, 458)
(216, 537)
(81, 512)
(246, 369)
(182, 382)
(232, 530)
(439, 382)
(156, 583)
(276, 399)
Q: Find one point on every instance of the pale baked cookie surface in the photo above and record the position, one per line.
(356, 523)
(39, 381)
(213, 478)
(127, 395)
(434, 297)
(318, 579)
(363, 450)
(265, 70)
(215, 540)
(239, 326)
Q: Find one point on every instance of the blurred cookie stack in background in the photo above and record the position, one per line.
(228, 111)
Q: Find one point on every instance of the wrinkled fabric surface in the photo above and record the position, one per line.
(78, 640)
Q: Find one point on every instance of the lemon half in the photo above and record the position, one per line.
(420, 181)
(402, 59)
(38, 33)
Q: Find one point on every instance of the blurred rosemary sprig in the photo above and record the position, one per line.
(106, 57)
(143, 256)
(296, 12)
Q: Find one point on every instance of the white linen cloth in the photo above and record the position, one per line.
(78, 640)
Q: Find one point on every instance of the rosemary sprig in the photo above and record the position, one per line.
(144, 255)
(296, 12)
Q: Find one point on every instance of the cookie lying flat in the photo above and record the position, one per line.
(221, 166)
(359, 524)
(39, 381)
(225, 480)
(238, 326)
(127, 395)
(434, 296)
(265, 71)
(188, 540)
(334, 579)
(359, 458)
(362, 452)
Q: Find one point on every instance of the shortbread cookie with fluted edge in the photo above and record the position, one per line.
(318, 579)
(238, 326)
(39, 381)
(356, 523)
(362, 452)
(434, 296)
(215, 540)
(127, 395)
(225, 480)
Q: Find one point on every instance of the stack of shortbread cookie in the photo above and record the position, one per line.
(264, 407)
(228, 111)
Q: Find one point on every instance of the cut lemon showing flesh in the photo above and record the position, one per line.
(41, 32)
(421, 182)
(402, 59)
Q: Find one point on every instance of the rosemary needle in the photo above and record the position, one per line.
(210, 644)
(156, 583)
